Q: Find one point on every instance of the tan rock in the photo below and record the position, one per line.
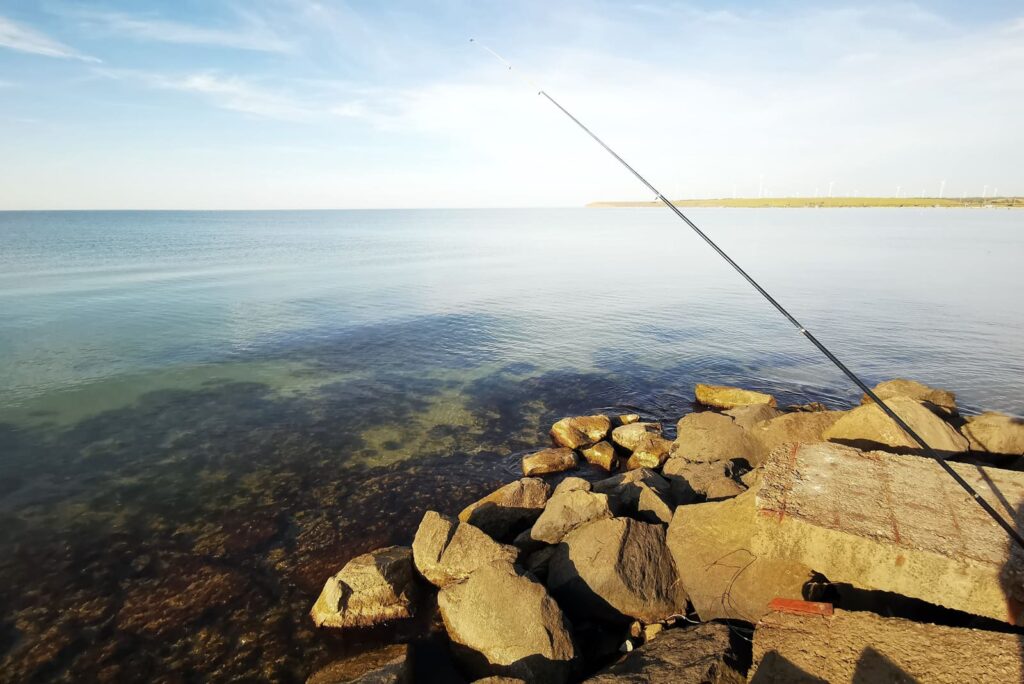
(566, 511)
(548, 461)
(879, 521)
(749, 415)
(571, 483)
(629, 436)
(723, 397)
(617, 569)
(510, 509)
(372, 588)
(708, 436)
(504, 623)
(627, 419)
(602, 455)
(642, 494)
(701, 654)
(445, 550)
(789, 429)
(911, 389)
(867, 427)
(852, 648)
(580, 431)
(650, 452)
(692, 482)
(995, 433)
(711, 545)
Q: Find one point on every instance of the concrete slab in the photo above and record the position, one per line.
(893, 523)
(863, 647)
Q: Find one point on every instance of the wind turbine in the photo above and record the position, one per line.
(942, 188)
(830, 184)
(898, 188)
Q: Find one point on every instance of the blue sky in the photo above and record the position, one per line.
(320, 104)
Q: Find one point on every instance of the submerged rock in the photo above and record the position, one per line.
(566, 511)
(388, 665)
(724, 397)
(445, 550)
(602, 455)
(707, 436)
(504, 623)
(867, 427)
(548, 461)
(617, 569)
(372, 588)
(507, 511)
(580, 431)
(629, 436)
(701, 654)
(943, 400)
(995, 433)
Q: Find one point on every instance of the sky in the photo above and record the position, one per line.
(289, 104)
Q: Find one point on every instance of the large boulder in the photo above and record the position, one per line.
(701, 654)
(507, 511)
(650, 452)
(707, 436)
(548, 461)
(445, 550)
(387, 665)
(723, 397)
(566, 511)
(995, 433)
(791, 428)
(580, 431)
(572, 483)
(617, 570)
(601, 455)
(867, 427)
(751, 414)
(692, 482)
(504, 623)
(642, 494)
(938, 399)
(711, 546)
(372, 588)
(629, 436)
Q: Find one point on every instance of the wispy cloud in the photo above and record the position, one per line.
(21, 38)
(253, 33)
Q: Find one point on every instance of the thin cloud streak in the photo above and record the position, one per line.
(253, 34)
(19, 38)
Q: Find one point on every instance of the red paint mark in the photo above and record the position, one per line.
(798, 607)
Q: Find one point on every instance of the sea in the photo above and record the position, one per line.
(203, 415)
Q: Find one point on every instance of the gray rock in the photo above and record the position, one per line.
(695, 655)
(504, 623)
(372, 588)
(510, 509)
(566, 511)
(445, 550)
(617, 569)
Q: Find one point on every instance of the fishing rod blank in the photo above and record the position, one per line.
(1016, 536)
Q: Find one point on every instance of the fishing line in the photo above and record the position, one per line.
(782, 310)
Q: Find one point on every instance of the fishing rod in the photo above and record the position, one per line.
(931, 453)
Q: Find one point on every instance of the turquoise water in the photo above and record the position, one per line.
(229, 405)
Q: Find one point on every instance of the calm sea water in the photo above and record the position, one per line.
(202, 415)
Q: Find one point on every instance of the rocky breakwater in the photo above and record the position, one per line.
(732, 550)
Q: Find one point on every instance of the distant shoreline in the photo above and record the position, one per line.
(829, 202)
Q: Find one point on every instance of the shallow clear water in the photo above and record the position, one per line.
(230, 405)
